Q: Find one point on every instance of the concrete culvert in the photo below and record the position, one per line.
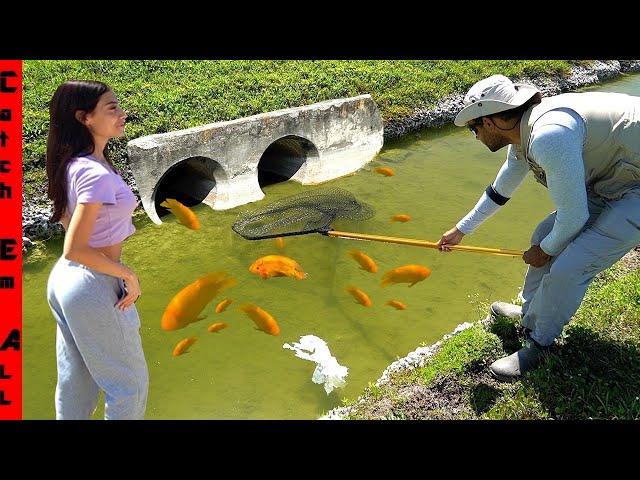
(309, 144)
(283, 158)
(190, 182)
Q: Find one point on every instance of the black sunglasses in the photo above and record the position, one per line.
(474, 124)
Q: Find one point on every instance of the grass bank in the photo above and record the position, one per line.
(593, 371)
(161, 96)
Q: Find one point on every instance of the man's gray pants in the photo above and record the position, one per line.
(98, 346)
(553, 292)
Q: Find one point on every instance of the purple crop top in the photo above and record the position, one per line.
(90, 180)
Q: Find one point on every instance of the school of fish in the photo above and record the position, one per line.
(188, 304)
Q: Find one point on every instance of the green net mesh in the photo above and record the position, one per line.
(307, 212)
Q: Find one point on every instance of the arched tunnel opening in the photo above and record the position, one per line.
(189, 182)
(283, 158)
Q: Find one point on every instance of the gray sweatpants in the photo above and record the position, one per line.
(98, 346)
(553, 293)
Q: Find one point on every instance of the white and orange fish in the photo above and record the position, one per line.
(186, 305)
(407, 274)
(263, 320)
(183, 346)
(398, 305)
(216, 327)
(401, 218)
(386, 171)
(365, 261)
(361, 297)
(277, 266)
(183, 213)
(222, 306)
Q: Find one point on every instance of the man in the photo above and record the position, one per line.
(585, 148)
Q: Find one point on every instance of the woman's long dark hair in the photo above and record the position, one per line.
(68, 137)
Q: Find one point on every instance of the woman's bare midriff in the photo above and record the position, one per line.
(112, 252)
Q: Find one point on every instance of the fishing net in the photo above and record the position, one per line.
(307, 212)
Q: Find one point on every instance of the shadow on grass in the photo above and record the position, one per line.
(482, 397)
(588, 376)
(506, 330)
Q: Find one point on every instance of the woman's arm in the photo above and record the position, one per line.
(77, 249)
(64, 220)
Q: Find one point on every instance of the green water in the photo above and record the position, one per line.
(241, 373)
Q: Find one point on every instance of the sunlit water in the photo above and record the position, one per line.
(242, 373)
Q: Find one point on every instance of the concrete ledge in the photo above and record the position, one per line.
(224, 164)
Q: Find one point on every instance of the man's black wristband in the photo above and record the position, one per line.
(495, 196)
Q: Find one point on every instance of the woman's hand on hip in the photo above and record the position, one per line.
(133, 291)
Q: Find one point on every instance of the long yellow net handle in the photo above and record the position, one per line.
(423, 243)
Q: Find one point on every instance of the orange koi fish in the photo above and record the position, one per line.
(408, 274)
(263, 320)
(185, 307)
(183, 346)
(397, 304)
(222, 306)
(386, 171)
(361, 297)
(277, 266)
(401, 218)
(216, 327)
(184, 214)
(364, 260)
(280, 243)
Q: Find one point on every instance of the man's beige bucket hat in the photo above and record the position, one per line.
(493, 95)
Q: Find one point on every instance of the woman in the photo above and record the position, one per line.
(90, 292)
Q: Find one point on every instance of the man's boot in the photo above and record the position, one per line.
(512, 311)
(511, 368)
(508, 310)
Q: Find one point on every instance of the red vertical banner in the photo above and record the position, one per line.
(10, 239)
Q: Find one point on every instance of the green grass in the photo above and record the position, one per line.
(471, 348)
(161, 96)
(592, 373)
(523, 404)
